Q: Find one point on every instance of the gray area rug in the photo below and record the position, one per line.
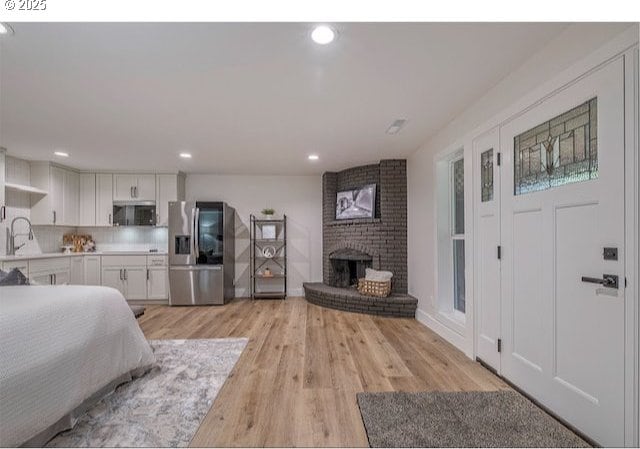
(164, 407)
(460, 419)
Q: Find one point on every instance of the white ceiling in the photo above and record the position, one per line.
(244, 98)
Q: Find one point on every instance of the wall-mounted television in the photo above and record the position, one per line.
(356, 203)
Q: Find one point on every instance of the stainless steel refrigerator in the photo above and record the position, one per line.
(201, 253)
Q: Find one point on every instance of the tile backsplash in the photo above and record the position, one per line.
(130, 238)
(48, 239)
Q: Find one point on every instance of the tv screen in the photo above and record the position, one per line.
(356, 203)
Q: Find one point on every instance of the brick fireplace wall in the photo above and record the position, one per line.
(383, 237)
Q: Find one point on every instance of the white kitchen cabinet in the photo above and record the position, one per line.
(128, 187)
(3, 204)
(60, 205)
(71, 198)
(123, 187)
(132, 275)
(135, 279)
(41, 279)
(62, 277)
(169, 187)
(157, 280)
(113, 277)
(76, 270)
(145, 188)
(56, 193)
(104, 199)
(54, 271)
(92, 269)
(87, 212)
(21, 265)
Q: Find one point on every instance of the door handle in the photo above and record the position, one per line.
(607, 280)
(109, 218)
(147, 274)
(121, 275)
(54, 217)
(125, 274)
(135, 191)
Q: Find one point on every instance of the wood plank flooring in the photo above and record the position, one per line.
(296, 382)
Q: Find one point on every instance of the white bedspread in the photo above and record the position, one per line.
(58, 346)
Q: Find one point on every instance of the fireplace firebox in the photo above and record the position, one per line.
(348, 266)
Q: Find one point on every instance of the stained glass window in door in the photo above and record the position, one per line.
(557, 152)
(486, 175)
(458, 196)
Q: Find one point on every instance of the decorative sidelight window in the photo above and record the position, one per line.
(486, 174)
(457, 233)
(560, 151)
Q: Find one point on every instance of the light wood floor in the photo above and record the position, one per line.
(296, 382)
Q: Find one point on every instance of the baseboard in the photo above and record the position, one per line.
(439, 328)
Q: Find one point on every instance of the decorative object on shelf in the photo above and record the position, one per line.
(356, 203)
(268, 256)
(268, 231)
(269, 252)
(268, 213)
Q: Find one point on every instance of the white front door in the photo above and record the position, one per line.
(486, 174)
(562, 205)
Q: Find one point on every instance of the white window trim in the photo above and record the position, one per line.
(444, 300)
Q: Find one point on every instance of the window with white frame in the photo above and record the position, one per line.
(457, 232)
(450, 237)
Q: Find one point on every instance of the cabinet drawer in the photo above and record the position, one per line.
(124, 261)
(21, 265)
(157, 261)
(48, 265)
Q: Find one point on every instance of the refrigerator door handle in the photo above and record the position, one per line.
(196, 229)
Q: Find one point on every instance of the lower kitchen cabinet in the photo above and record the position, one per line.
(76, 270)
(135, 279)
(157, 283)
(92, 269)
(55, 271)
(112, 277)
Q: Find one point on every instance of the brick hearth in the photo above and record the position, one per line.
(348, 299)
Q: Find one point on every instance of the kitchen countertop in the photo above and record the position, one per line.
(96, 253)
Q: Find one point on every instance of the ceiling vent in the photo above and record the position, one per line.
(396, 126)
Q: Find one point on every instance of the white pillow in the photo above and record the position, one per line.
(375, 275)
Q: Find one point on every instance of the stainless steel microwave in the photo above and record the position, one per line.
(134, 214)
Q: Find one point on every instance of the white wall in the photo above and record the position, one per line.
(570, 47)
(299, 197)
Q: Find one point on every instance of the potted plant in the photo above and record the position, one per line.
(268, 212)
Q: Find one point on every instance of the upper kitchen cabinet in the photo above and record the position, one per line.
(168, 188)
(88, 199)
(104, 199)
(61, 205)
(132, 187)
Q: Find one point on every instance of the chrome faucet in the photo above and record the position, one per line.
(12, 240)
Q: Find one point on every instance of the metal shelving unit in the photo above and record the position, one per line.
(268, 258)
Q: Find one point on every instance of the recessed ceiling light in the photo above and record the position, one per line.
(5, 28)
(185, 155)
(313, 157)
(396, 126)
(323, 34)
(61, 153)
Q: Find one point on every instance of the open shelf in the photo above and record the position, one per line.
(24, 189)
(259, 262)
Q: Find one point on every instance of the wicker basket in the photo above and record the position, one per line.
(381, 289)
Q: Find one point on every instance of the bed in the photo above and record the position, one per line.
(61, 349)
